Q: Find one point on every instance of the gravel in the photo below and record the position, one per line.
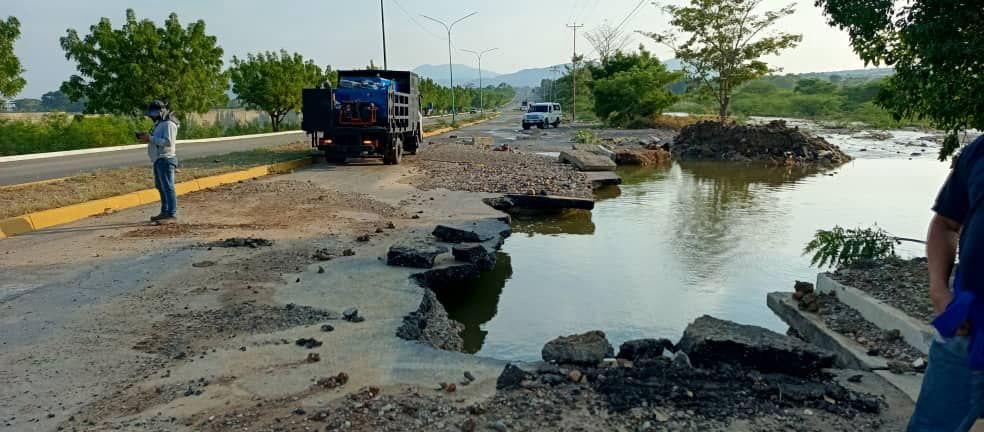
(470, 168)
(848, 322)
(903, 284)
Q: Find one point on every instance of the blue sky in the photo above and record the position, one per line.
(529, 33)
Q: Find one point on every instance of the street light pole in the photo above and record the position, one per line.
(450, 67)
(574, 73)
(481, 88)
(382, 18)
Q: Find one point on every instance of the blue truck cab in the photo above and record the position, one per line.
(372, 113)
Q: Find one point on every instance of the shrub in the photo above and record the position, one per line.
(849, 247)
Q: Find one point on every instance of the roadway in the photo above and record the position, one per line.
(26, 171)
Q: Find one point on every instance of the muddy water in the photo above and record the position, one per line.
(679, 242)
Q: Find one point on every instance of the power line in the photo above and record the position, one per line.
(588, 12)
(639, 5)
(414, 20)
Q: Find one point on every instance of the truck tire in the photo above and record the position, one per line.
(394, 154)
(526, 126)
(542, 125)
(556, 123)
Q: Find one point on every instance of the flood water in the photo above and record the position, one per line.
(679, 242)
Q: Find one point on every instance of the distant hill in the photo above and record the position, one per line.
(533, 76)
(852, 73)
(463, 74)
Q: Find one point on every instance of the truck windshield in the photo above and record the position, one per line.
(363, 83)
(540, 108)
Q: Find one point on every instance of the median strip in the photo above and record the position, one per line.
(131, 186)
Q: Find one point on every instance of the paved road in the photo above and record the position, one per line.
(43, 169)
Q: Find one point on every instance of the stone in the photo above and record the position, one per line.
(452, 234)
(549, 202)
(447, 276)
(499, 426)
(499, 203)
(574, 376)
(321, 270)
(475, 254)
(709, 341)
(363, 238)
(327, 328)
(681, 361)
(855, 378)
(313, 357)
(468, 425)
(468, 376)
(644, 349)
(511, 377)
(415, 255)
(585, 160)
(586, 349)
(802, 288)
(349, 314)
(308, 343)
(203, 264)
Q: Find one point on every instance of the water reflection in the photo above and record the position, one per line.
(680, 241)
(475, 303)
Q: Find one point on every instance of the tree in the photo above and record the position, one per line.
(934, 47)
(607, 40)
(720, 43)
(812, 86)
(59, 101)
(121, 70)
(631, 87)
(272, 82)
(11, 81)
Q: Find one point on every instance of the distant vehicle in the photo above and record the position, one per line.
(542, 114)
(473, 110)
(372, 113)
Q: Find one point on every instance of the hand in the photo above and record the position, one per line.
(964, 329)
(143, 138)
(941, 298)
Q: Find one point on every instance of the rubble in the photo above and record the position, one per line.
(414, 254)
(587, 348)
(245, 242)
(710, 341)
(773, 142)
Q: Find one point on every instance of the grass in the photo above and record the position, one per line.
(19, 200)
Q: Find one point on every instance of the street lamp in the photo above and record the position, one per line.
(481, 88)
(450, 67)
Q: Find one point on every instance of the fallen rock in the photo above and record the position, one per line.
(431, 325)
(642, 157)
(323, 255)
(802, 288)
(644, 349)
(352, 315)
(203, 264)
(416, 255)
(452, 234)
(586, 349)
(511, 377)
(475, 254)
(586, 160)
(548, 202)
(308, 343)
(709, 341)
(333, 381)
(447, 276)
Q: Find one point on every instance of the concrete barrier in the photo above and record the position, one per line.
(916, 333)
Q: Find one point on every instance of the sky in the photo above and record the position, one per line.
(346, 34)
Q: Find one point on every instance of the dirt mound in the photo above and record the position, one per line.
(773, 142)
(643, 156)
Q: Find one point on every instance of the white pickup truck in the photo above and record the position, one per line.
(542, 114)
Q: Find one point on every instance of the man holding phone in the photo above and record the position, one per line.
(161, 149)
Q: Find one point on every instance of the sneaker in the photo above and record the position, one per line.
(167, 220)
(158, 217)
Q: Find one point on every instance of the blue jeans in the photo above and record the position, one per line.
(164, 182)
(952, 396)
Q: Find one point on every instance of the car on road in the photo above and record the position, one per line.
(542, 114)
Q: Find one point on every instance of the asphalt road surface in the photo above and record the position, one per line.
(33, 170)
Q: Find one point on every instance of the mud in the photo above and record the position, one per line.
(773, 142)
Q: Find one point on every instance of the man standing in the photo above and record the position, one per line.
(161, 150)
(952, 394)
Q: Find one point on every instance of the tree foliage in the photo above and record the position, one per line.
(27, 105)
(935, 47)
(272, 82)
(122, 70)
(721, 42)
(630, 88)
(59, 101)
(11, 81)
(847, 247)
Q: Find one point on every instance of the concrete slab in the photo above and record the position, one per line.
(849, 353)
(600, 179)
(909, 383)
(915, 332)
(587, 161)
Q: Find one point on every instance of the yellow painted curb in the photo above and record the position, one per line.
(63, 215)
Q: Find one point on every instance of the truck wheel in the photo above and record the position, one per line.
(556, 123)
(526, 126)
(542, 125)
(394, 154)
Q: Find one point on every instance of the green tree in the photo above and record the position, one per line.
(631, 87)
(812, 86)
(721, 42)
(272, 82)
(11, 81)
(121, 70)
(936, 51)
(59, 101)
(27, 105)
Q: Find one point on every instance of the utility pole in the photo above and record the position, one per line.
(553, 80)
(382, 18)
(450, 66)
(481, 88)
(574, 73)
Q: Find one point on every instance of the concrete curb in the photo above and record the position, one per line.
(58, 216)
(916, 333)
(33, 156)
(850, 354)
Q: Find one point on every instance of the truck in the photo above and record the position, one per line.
(372, 113)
